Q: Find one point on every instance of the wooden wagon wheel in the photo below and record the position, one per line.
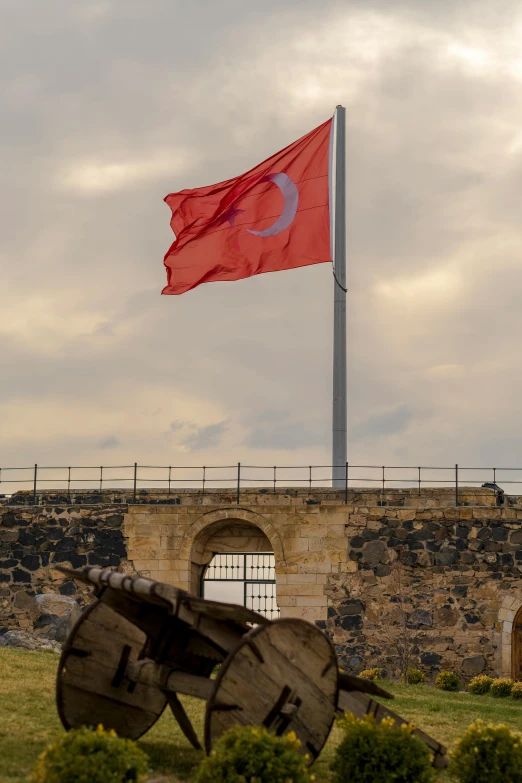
(91, 686)
(282, 676)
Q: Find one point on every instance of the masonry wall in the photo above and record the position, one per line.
(34, 541)
(336, 563)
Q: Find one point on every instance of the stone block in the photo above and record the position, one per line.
(286, 600)
(293, 545)
(145, 565)
(312, 600)
(300, 578)
(314, 531)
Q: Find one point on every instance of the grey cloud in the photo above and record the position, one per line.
(390, 423)
(111, 442)
(273, 430)
(205, 437)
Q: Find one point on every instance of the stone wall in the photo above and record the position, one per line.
(34, 541)
(337, 563)
(460, 570)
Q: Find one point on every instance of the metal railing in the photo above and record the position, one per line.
(68, 482)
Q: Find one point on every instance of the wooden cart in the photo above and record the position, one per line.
(141, 643)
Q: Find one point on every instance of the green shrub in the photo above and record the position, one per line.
(87, 756)
(516, 691)
(415, 676)
(501, 688)
(480, 684)
(380, 753)
(248, 754)
(447, 681)
(487, 753)
(370, 674)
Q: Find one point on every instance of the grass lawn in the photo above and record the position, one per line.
(28, 720)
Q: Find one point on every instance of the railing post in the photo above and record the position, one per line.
(170, 470)
(204, 477)
(69, 484)
(419, 481)
(495, 482)
(34, 484)
(382, 492)
(275, 479)
(346, 485)
(135, 480)
(101, 478)
(456, 484)
(310, 478)
(238, 482)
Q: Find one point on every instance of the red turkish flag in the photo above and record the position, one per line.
(276, 216)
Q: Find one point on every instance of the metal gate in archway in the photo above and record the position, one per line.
(246, 578)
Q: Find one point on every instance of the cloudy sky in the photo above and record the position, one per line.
(108, 105)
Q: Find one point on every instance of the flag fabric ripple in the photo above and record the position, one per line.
(274, 217)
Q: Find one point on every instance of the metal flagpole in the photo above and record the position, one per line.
(338, 211)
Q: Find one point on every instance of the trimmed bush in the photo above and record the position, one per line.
(415, 677)
(501, 688)
(380, 753)
(87, 756)
(487, 753)
(516, 691)
(370, 674)
(248, 754)
(447, 681)
(480, 684)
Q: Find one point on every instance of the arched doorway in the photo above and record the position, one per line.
(516, 646)
(233, 560)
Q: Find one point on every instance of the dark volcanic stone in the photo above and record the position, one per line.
(420, 618)
(430, 659)
(77, 561)
(321, 624)
(331, 612)
(421, 535)
(461, 531)
(12, 562)
(370, 535)
(357, 542)
(499, 533)
(415, 546)
(474, 665)
(69, 588)
(408, 558)
(446, 557)
(460, 591)
(351, 622)
(373, 551)
(21, 576)
(484, 534)
(382, 570)
(471, 618)
(351, 606)
(31, 562)
(5, 577)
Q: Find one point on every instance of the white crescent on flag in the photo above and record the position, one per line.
(291, 197)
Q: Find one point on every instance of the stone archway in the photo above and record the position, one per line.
(510, 616)
(226, 530)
